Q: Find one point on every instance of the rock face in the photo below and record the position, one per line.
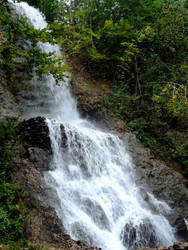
(9, 109)
(34, 161)
(165, 183)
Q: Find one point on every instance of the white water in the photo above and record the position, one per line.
(92, 172)
(186, 222)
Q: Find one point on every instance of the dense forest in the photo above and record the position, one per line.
(139, 46)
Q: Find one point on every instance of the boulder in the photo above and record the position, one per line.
(35, 133)
(134, 236)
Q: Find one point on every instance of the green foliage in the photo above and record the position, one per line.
(52, 9)
(129, 41)
(48, 64)
(155, 119)
(21, 244)
(173, 100)
(12, 52)
(141, 48)
(11, 219)
(8, 139)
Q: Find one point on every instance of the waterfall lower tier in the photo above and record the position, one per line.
(100, 202)
(92, 172)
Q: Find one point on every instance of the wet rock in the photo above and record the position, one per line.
(178, 222)
(35, 135)
(175, 246)
(64, 137)
(96, 213)
(180, 245)
(35, 132)
(40, 158)
(80, 233)
(134, 236)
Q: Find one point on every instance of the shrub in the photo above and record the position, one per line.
(11, 219)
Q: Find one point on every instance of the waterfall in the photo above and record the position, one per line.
(92, 172)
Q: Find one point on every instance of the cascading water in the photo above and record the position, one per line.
(92, 172)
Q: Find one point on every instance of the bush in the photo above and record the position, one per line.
(154, 117)
(11, 219)
(11, 52)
